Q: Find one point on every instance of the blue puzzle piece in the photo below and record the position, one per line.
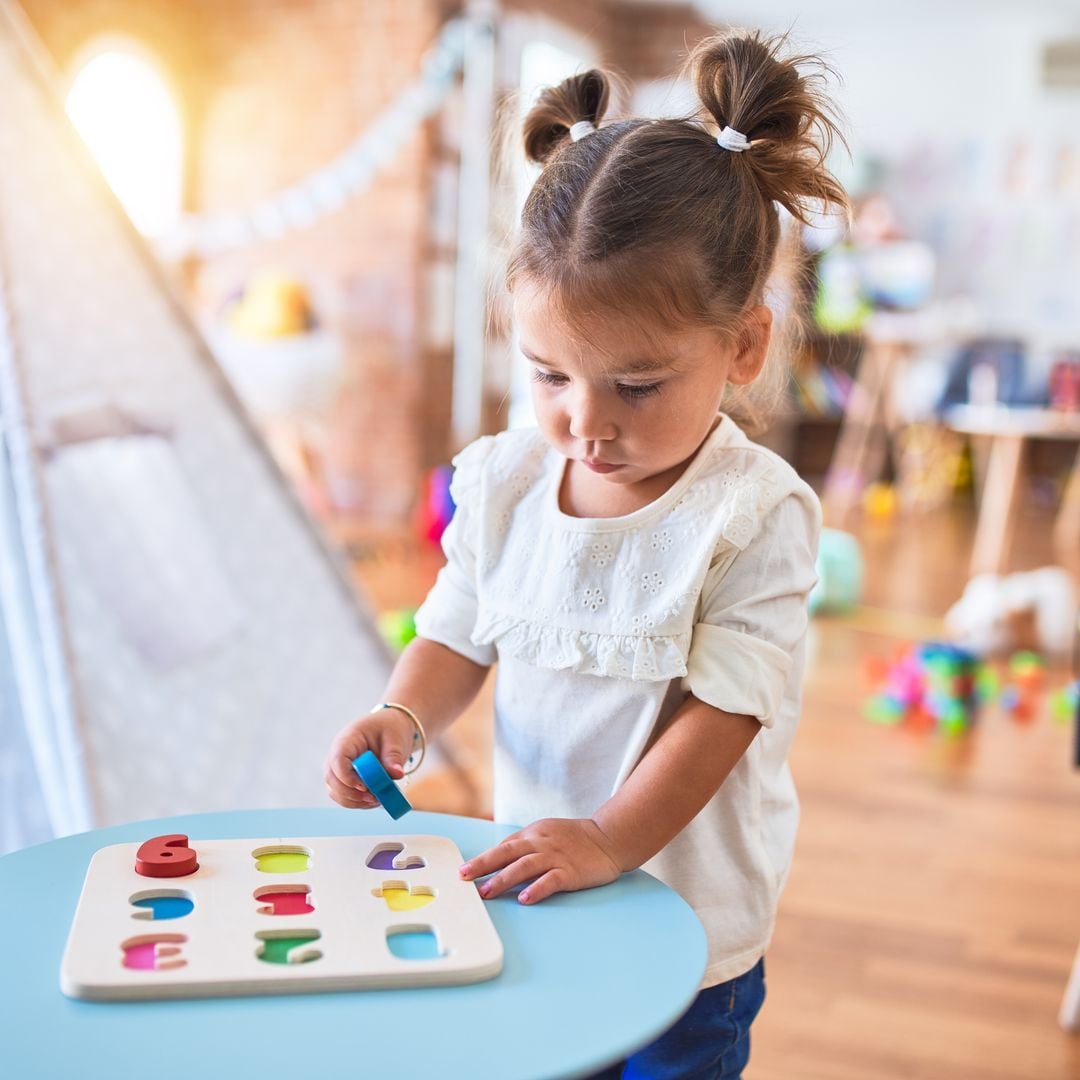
(165, 907)
(413, 944)
(370, 770)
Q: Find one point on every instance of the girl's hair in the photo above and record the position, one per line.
(651, 220)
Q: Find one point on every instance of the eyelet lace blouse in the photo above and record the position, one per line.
(602, 626)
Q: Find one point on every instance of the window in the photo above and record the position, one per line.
(123, 109)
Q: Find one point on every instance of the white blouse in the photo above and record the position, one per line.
(602, 626)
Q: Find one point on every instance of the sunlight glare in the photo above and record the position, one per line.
(123, 110)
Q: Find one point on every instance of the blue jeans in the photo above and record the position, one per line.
(710, 1042)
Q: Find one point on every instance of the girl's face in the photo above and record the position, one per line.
(613, 402)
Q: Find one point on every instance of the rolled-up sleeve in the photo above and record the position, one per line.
(753, 613)
(448, 613)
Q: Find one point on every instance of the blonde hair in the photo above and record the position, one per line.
(652, 220)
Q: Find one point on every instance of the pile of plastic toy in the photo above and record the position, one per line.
(937, 685)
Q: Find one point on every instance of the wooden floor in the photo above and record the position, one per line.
(933, 909)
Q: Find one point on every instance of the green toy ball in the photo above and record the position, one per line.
(1063, 703)
(398, 627)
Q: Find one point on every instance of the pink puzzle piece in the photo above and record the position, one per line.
(143, 957)
(154, 954)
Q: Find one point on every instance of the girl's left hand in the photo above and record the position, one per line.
(561, 854)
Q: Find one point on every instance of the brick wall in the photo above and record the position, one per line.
(294, 83)
(270, 90)
(643, 41)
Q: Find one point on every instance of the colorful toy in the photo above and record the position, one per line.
(398, 627)
(943, 686)
(370, 770)
(272, 305)
(1027, 677)
(435, 507)
(839, 572)
(345, 914)
(1065, 703)
(879, 500)
(166, 856)
(1027, 669)
(931, 685)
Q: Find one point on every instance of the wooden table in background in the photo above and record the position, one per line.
(1008, 431)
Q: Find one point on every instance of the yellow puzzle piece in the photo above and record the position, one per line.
(403, 900)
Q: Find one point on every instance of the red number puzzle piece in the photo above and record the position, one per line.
(166, 856)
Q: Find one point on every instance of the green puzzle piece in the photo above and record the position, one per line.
(277, 950)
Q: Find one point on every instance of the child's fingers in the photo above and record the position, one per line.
(392, 747)
(340, 768)
(487, 862)
(393, 755)
(523, 869)
(349, 801)
(346, 794)
(349, 804)
(554, 881)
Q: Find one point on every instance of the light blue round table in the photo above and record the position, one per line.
(588, 977)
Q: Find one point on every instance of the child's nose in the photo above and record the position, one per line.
(589, 420)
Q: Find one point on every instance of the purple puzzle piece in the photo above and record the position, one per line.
(384, 859)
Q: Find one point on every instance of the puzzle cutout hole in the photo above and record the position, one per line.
(154, 952)
(389, 857)
(414, 942)
(400, 896)
(283, 859)
(287, 946)
(285, 899)
(161, 904)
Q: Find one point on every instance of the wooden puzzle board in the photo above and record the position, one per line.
(238, 911)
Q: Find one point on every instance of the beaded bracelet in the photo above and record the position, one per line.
(419, 735)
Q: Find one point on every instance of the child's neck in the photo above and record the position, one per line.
(584, 494)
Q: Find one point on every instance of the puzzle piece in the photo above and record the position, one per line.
(294, 900)
(166, 856)
(282, 860)
(389, 857)
(381, 785)
(401, 897)
(288, 947)
(157, 953)
(166, 904)
(413, 943)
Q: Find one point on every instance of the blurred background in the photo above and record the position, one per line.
(245, 323)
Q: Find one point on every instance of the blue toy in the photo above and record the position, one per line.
(370, 770)
(839, 572)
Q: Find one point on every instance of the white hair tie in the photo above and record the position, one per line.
(730, 139)
(582, 128)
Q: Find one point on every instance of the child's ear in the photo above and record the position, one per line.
(752, 346)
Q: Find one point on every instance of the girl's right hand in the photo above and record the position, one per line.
(388, 733)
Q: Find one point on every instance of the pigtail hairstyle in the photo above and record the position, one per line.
(781, 109)
(548, 124)
(653, 222)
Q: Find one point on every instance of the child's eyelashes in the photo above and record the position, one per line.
(639, 390)
(627, 390)
(547, 378)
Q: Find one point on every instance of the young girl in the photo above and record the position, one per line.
(638, 568)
